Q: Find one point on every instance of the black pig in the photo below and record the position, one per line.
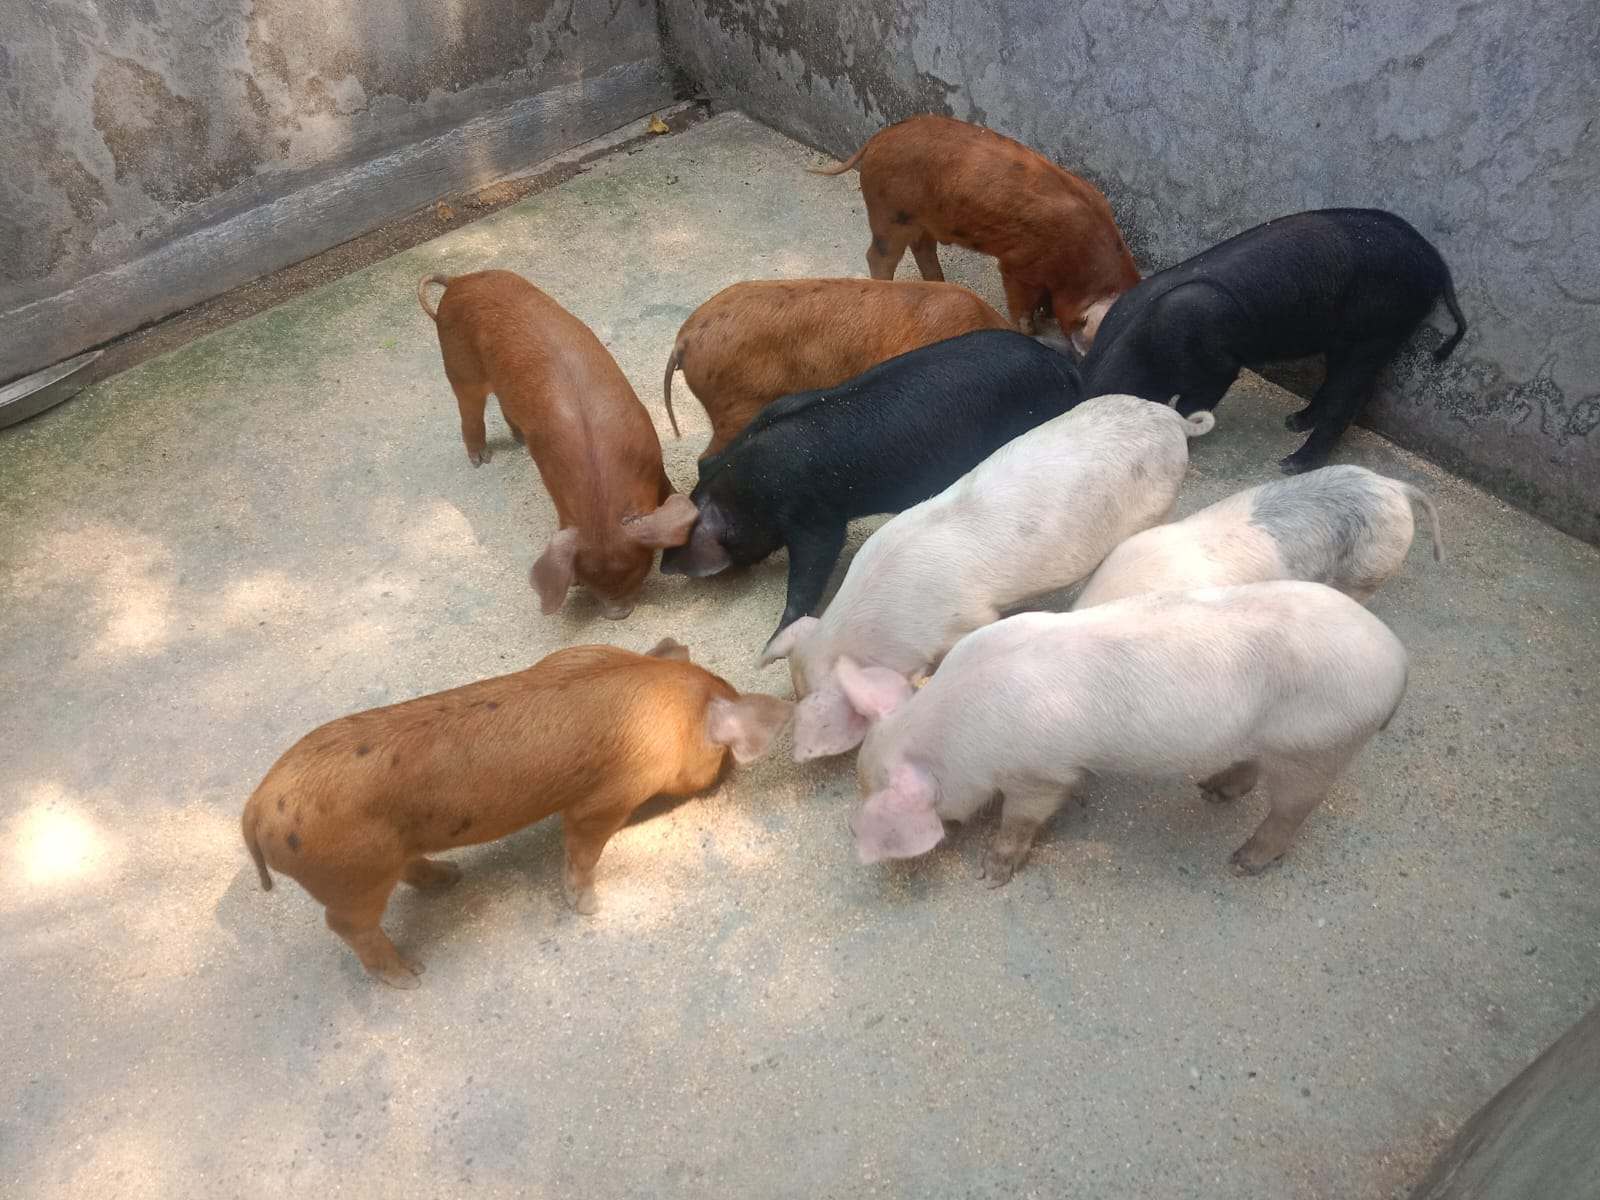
(1350, 283)
(878, 443)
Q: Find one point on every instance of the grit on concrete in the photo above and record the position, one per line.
(212, 553)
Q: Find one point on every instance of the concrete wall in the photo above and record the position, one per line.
(1537, 1136)
(1477, 122)
(156, 152)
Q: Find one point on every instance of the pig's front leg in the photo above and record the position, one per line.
(811, 559)
(1023, 813)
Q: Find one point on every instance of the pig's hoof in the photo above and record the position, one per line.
(1216, 795)
(1246, 862)
(400, 974)
(427, 874)
(1295, 464)
(478, 457)
(999, 865)
(449, 873)
(583, 900)
(1299, 422)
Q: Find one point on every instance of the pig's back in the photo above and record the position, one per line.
(573, 720)
(905, 429)
(1301, 270)
(1044, 510)
(1169, 681)
(967, 184)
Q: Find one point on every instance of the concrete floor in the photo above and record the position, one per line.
(209, 554)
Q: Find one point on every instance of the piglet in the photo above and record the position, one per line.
(755, 341)
(594, 445)
(1036, 515)
(591, 732)
(906, 429)
(1347, 527)
(933, 179)
(1348, 283)
(1278, 681)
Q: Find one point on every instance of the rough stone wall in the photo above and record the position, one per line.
(128, 124)
(1477, 122)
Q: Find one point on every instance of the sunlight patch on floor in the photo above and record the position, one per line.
(54, 842)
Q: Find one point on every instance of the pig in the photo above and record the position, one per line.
(895, 435)
(933, 179)
(1281, 681)
(1348, 283)
(1347, 527)
(1036, 515)
(594, 445)
(755, 341)
(590, 732)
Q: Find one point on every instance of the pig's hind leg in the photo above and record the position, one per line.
(926, 251)
(1352, 373)
(1231, 782)
(1023, 812)
(355, 916)
(430, 874)
(888, 245)
(517, 435)
(471, 386)
(472, 400)
(1294, 788)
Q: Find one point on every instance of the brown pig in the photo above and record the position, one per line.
(932, 179)
(755, 341)
(594, 445)
(591, 732)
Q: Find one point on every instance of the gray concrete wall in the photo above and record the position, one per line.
(156, 152)
(1477, 122)
(1537, 1136)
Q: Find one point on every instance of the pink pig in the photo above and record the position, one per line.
(1035, 516)
(1282, 681)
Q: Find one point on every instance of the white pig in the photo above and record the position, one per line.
(1347, 527)
(1284, 681)
(1036, 515)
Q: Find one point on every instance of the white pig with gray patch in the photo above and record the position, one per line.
(1283, 682)
(1347, 527)
(1035, 516)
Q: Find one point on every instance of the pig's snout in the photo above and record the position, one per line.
(675, 560)
(615, 612)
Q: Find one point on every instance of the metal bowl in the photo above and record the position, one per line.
(32, 394)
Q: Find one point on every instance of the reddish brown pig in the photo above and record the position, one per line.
(756, 341)
(934, 179)
(591, 732)
(594, 445)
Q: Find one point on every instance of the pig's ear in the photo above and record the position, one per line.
(668, 525)
(825, 724)
(669, 648)
(704, 553)
(783, 642)
(748, 724)
(1089, 327)
(874, 692)
(552, 571)
(900, 821)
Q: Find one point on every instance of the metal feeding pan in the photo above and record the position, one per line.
(32, 394)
